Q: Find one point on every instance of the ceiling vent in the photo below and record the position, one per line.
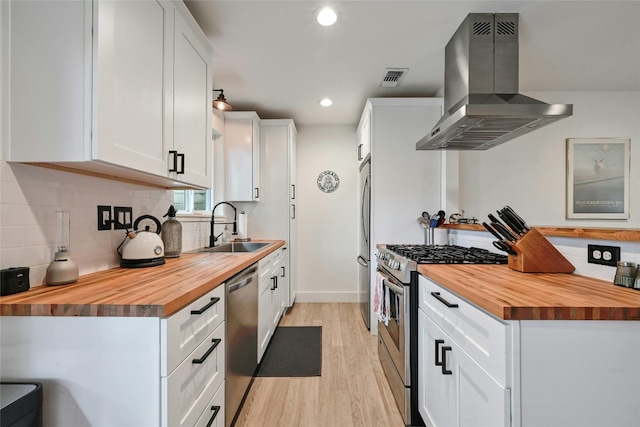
(393, 77)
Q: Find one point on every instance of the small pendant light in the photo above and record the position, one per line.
(221, 102)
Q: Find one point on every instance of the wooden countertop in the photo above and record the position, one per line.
(512, 295)
(135, 292)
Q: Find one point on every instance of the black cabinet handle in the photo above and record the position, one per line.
(293, 187)
(359, 151)
(257, 193)
(181, 170)
(215, 410)
(174, 168)
(437, 296)
(282, 271)
(216, 342)
(445, 371)
(438, 361)
(293, 210)
(206, 307)
(273, 283)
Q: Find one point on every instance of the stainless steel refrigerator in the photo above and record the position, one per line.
(364, 264)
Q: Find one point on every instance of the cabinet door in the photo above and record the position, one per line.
(241, 147)
(290, 293)
(436, 392)
(276, 292)
(453, 389)
(130, 43)
(191, 106)
(265, 305)
(364, 135)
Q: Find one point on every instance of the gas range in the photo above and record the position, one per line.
(401, 260)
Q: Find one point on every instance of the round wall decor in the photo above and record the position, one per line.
(328, 181)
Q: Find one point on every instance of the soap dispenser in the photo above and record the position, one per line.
(172, 234)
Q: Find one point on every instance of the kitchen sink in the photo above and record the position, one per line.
(235, 247)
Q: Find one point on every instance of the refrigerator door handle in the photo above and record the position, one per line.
(363, 262)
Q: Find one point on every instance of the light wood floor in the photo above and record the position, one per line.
(352, 390)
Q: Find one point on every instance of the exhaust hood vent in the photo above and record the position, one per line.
(393, 77)
(482, 105)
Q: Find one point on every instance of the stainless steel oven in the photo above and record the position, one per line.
(397, 267)
(397, 345)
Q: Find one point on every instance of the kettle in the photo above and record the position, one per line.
(142, 248)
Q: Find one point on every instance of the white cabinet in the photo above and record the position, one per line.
(271, 297)
(454, 388)
(194, 367)
(475, 369)
(242, 156)
(363, 134)
(275, 216)
(123, 371)
(124, 90)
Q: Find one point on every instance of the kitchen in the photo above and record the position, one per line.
(30, 194)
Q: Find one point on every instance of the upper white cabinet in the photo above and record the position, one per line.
(123, 89)
(363, 134)
(242, 156)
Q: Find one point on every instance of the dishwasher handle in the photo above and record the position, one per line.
(241, 280)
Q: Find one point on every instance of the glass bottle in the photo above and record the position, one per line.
(171, 234)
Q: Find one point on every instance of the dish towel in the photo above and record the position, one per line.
(381, 299)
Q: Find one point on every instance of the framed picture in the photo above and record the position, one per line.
(598, 178)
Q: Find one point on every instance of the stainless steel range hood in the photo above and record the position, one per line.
(482, 105)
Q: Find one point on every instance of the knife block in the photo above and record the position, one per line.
(535, 254)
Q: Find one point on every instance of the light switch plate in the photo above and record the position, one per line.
(104, 218)
(122, 217)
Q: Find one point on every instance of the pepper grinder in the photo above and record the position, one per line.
(63, 269)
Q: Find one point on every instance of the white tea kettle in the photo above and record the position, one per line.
(142, 248)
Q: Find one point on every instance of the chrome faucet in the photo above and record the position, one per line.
(213, 238)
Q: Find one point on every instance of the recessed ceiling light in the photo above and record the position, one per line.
(326, 102)
(326, 16)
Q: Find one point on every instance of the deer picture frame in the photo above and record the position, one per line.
(598, 178)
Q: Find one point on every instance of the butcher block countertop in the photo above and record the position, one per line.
(135, 292)
(512, 295)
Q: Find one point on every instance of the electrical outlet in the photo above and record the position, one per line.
(122, 217)
(604, 255)
(104, 218)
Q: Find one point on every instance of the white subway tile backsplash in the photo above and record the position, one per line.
(30, 195)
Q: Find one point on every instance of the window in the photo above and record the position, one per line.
(189, 201)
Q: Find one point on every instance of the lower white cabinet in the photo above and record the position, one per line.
(454, 388)
(271, 302)
(477, 370)
(188, 389)
(122, 371)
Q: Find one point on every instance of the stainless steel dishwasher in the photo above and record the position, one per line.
(242, 337)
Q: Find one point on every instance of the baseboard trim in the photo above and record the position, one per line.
(332, 296)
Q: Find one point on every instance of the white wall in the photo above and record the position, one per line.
(327, 222)
(529, 173)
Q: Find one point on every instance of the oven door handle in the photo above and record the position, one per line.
(395, 288)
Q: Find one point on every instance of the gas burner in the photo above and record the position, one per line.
(447, 254)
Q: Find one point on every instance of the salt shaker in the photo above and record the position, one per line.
(625, 274)
(636, 283)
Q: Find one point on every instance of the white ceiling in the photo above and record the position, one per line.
(271, 57)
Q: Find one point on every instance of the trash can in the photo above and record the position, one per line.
(21, 404)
